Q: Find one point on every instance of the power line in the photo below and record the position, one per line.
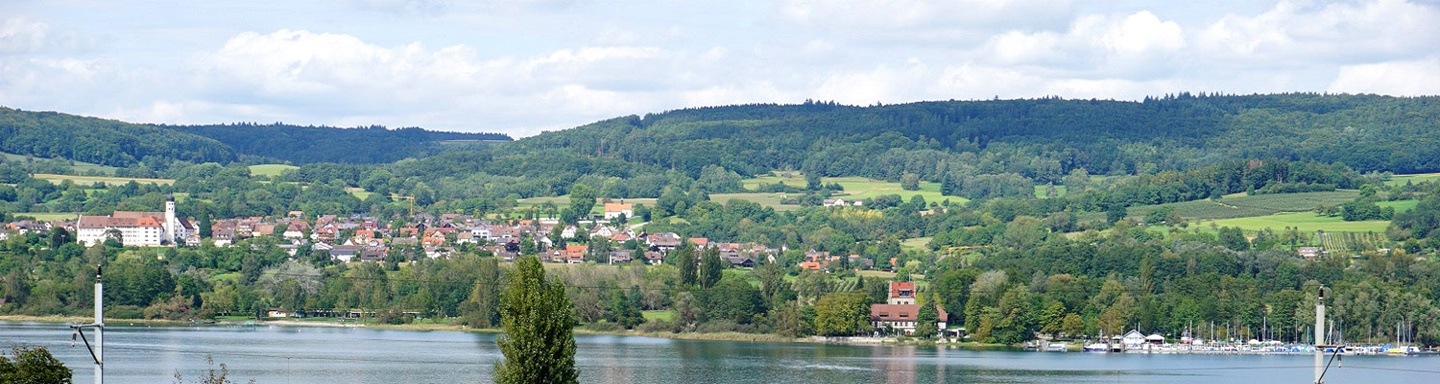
(1396, 369)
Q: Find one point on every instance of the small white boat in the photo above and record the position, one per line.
(1097, 347)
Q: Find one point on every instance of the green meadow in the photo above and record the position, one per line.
(1415, 178)
(270, 170)
(79, 166)
(108, 180)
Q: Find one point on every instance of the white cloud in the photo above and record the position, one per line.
(1138, 44)
(924, 21)
(21, 35)
(1408, 78)
(1301, 32)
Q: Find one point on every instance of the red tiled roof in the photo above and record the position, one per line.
(901, 312)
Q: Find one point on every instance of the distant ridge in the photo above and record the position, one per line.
(323, 144)
(121, 144)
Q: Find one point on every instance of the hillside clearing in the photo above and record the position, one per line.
(78, 166)
(1398, 180)
(270, 170)
(108, 180)
(50, 216)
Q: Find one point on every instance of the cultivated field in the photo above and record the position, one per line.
(1304, 222)
(270, 170)
(1241, 206)
(89, 180)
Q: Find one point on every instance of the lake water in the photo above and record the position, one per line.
(277, 355)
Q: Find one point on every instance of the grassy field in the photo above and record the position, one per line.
(1400, 206)
(856, 187)
(564, 201)
(360, 193)
(1242, 206)
(1041, 189)
(270, 170)
(50, 216)
(1416, 178)
(665, 315)
(771, 200)
(1304, 222)
(88, 180)
(79, 166)
(918, 243)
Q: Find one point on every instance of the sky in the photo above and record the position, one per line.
(522, 67)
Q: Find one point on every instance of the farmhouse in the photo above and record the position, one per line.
(614, 210)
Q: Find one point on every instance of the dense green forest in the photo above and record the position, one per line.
(1041, 139)
(310, 144)
(121, 144)
(108, 142)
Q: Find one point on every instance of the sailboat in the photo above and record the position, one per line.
(1400, 348)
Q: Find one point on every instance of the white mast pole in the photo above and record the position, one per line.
(1319, 335)
(99, 329)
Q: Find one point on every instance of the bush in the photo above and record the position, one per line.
(124, 312)
(603, 326)
(656, 326)
(717, 326)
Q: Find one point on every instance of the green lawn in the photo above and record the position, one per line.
(1304, 222)
(270, 170)
(1416, 178)
(88, 180)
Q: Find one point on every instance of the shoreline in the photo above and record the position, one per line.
(694, 336)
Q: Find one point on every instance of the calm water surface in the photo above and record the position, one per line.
(273, 355)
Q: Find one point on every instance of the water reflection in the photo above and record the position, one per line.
(292, 355)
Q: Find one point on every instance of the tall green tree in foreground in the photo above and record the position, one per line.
(32, 366)
(538, 344)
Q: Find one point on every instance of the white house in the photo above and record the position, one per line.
(614, 210)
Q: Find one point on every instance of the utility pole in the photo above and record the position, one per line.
(96, 351)
(1319, 335)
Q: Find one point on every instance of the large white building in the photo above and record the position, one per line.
(136, 229)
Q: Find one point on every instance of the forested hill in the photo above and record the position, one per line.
(1041, 139)
(108, 142)
(121, 144)
(312, 144)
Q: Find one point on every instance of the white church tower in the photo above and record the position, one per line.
(168, 235)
